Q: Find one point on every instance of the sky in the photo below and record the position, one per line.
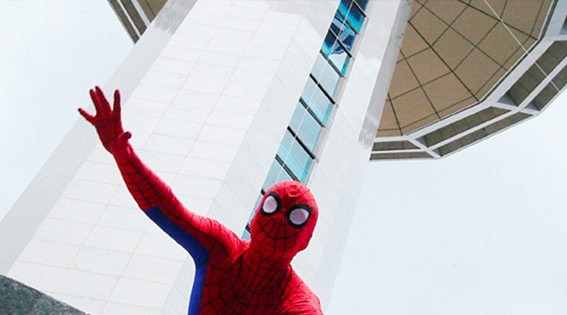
(479, 232)
(51, 53)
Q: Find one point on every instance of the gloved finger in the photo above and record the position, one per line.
(104, 106)
(116, 109)
(95, 100)
(87, 116)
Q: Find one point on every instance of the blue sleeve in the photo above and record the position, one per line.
(199, 253)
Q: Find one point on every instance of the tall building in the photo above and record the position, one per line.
(226, 97)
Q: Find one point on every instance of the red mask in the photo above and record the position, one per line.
(284, 221)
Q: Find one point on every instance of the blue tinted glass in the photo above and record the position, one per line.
(330, 44)
(255, 206)
(327, 77)
(246, 235)
(276, 174)
(295, 157)
(352, 13)
(344, 6)
(336, 52)
(362, 4)
(306, 127)
(355, 17)
(343, 31)
(317, 101)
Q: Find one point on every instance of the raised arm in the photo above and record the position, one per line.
(153, 195)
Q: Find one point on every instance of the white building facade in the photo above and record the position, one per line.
(224, 98)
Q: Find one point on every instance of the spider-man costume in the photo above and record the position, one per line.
(233, 276)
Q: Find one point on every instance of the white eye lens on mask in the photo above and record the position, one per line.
(270, 205)
(298, 216)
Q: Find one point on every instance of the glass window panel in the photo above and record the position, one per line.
(306, 127)
(327, 77)
(362, 4)
(317, 101)
(343, 31)
(276, 174)
(295, 157)
(336, 52)
(355, 17)
(352, 13)
(344, 6)
(260, 196)
(246, 235)
(330, 44)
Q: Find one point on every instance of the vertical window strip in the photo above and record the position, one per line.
(296, 155)
(336, 53)
(343, 31)
(317, 100)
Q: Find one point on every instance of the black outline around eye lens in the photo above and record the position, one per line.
(278, 201)
(308, 208)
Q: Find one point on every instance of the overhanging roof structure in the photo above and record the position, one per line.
(468, 69)
(136, 15)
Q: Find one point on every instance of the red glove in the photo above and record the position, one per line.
(108, 124)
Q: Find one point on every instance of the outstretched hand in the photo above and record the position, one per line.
(108, 123)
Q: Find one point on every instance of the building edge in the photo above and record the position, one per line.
(32, 207)
(326, 275)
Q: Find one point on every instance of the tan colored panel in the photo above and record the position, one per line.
(420, 123)
(400, 156)
(427, 66)
(124, 19)
(147, 10)
(490, 83)
(499, 44)
(412, 43)
(134, 15)
(474, 25)
(446, 91)
(381, 133)
(415, 7)
(411, 107)
(428, 25)
(388, 120)
(152, 7)
(446, 10)
(403, 80)
(521, 14)
(497, 5)
(518, 54)
(527, 43)
(452, 48)
(541, 18)
(475, 69)
(457, 107)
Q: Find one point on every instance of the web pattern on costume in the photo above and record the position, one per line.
(228, 279)
(233, 276)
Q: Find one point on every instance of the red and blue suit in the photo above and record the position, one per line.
(233, 276)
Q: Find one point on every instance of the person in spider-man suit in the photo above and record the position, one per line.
(233, 276)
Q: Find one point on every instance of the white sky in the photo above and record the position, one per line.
(51, 53)
(481, 232)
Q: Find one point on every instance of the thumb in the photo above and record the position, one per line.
(87, 116)
(124, 137)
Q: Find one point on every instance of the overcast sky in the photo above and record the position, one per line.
(51, 53)
(480, 232)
